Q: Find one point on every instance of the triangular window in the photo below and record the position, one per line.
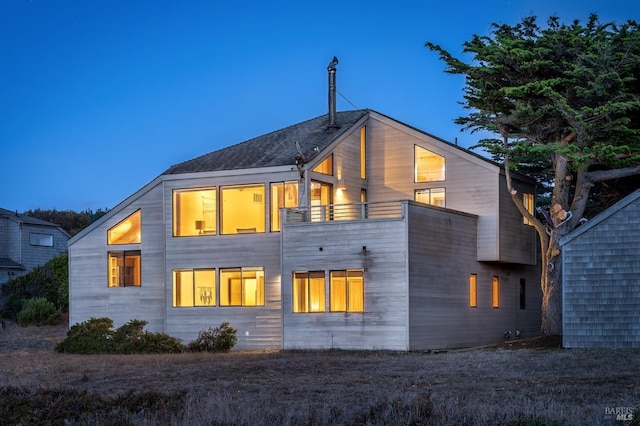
(126, 232)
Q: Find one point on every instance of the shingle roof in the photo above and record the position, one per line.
(19, 217)
(273, 149)
(6, 263)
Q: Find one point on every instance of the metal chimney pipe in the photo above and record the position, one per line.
(332, 93)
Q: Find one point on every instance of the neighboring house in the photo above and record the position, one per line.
(601, 279)
(350, 230)
(27, 242)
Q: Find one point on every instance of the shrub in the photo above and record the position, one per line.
(38, 311)
(97, 336)
(218, 339)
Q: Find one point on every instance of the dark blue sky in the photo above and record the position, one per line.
(99, 97)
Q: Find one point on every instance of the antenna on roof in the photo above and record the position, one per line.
(302, 159)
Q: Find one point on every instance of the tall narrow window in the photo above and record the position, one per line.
(346, 291)
(242, 286)
(473, 290)
(243, 209)
(523, 294)
(126, 231)
(363, 195)
(527, 201)
(194, 212)
(495, 292)
(363, 153)
(283, 194)
(124, 268)
(429, 166)
(308, 292)
(320, 201)
(326, 167)
(194, 287)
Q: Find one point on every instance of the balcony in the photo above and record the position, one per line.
(346, 212)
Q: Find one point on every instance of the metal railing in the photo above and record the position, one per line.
(343, 212)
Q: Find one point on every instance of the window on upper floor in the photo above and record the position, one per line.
(308, 292)
(194, 287)
(429, 166)
(126, 231)
(283, 194)
(346, 289)
(527, 201)
(124, 268)
(433, 196)
(326, 167)
(242, 286)
(43, 240)
(194, 212)
(320, 200)
(242, 209)
(363, 153)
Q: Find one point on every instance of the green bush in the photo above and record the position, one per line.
(97, 336)
(218, 339)
(38, 311)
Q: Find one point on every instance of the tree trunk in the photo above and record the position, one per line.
(551, 284)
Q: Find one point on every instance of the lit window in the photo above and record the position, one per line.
(194, 212)
(473, 290)
(527, 200)
(243, 209)
(523, 294)
(495, 292)
(320, 201)
(326, 167)
(44, 240)
(429, 166)
(346, 291)
(363, 195)
(124, 268)
(308, 291)
(283, 194)
(126, 231)
(194, 287)
(433, 196)
(242, 287)
(363, 153)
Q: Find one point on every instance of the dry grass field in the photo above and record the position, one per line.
(520, 383)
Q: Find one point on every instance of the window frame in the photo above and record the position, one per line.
(523, 294)
(260, 287)
(121, 223)
(528, 201)
(274, 214)
(429, 191)
(194, 292)
(260, 227)
(306, 306)
(473, 290)
(120, 279)
(40, 239)
(329, 165)
(441, 175)
(201, 227)
(347, 291)
(495, 292)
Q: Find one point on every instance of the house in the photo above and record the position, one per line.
(349, 230)
(600, 279)
(27, 242)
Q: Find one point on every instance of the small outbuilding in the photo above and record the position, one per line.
(601, 279)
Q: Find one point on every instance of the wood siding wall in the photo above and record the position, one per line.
(601, 284)
(376, 246)
(442, 257)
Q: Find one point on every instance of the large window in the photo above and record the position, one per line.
(527, 201)
(495, 292)
(243, 209)
(242, 286)
(126, 231)
(308, 292)
(346, 290)
(283, 194)
(194, 287)
(433, 196)
(194, 212)
(124, 268)
(44, 240)
(320, 200)
(326, 167)
(473, 290)
(429, 166)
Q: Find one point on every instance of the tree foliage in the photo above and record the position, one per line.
(70, 221)
(563, 101)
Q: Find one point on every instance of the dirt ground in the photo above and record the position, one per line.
(523, 379)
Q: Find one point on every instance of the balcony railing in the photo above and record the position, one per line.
(342, 212)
